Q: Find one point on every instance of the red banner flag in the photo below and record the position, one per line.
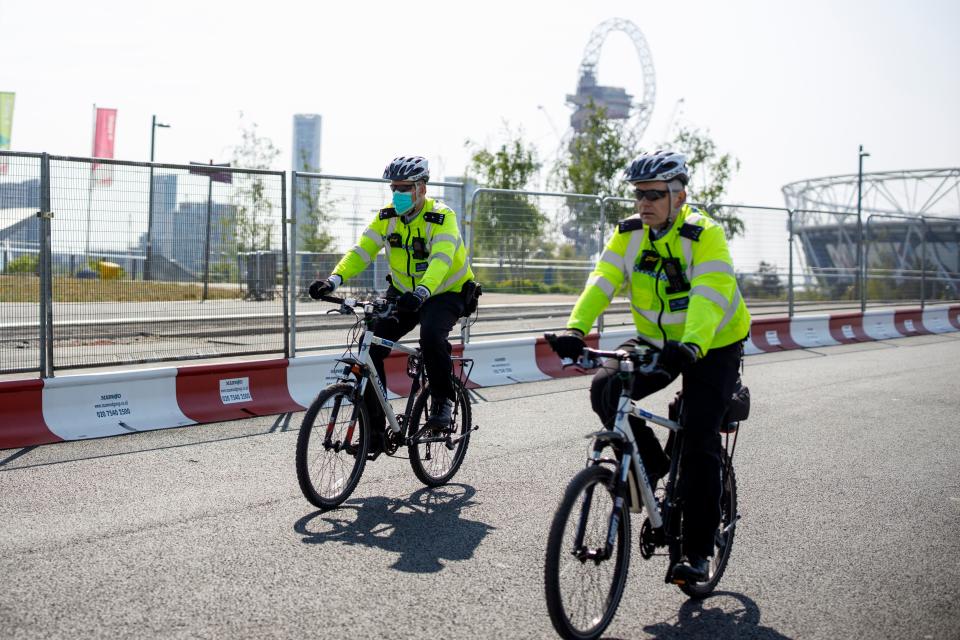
(103, 139)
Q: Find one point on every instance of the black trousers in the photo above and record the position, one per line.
(707, 387)
(436, 319)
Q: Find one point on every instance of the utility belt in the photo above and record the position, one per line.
(470, 293)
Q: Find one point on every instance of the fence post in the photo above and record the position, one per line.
(292, 348)
(469, 216)
(862, 250)
(46, 272)
(790, 298)
(923, 263)
(206, 244)
(147, 268)
(600, 228)
(284, 255)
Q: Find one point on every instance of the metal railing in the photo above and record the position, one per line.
(107, 262)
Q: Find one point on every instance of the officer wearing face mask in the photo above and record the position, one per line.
(429, 273)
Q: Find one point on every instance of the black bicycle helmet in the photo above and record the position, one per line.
(412, 168)
(661, 165)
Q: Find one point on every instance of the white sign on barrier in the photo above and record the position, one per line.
(501, 366)
(111, 405)
(773, 339)
(233, 390)
(908, 323)
(848, 332)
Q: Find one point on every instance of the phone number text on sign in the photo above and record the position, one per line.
(234, 390)
(111, 405)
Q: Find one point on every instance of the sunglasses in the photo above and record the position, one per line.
(651, 195)
(402, 188)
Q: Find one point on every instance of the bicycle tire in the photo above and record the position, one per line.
(559, 549)
(435, 463)
(723, 542)
(327, 471)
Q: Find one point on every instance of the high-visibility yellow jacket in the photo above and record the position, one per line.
(702, 305)
(427, 250)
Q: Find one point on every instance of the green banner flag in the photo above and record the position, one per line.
(6, 118)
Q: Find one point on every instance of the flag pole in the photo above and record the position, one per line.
(93, 143)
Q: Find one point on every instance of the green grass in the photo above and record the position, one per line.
(25, 288)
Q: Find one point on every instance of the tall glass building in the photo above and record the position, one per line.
(306, 157)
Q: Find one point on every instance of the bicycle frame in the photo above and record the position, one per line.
(379, 387)
(632, 473)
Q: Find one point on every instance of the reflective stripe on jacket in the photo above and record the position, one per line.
(428, 251)
(711, 313)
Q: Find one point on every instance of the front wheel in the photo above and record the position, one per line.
(332, 446)
(588, 554)
(723, 538)
(436, 457)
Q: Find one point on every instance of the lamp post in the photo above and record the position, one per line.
(860, 249)
(147, 271)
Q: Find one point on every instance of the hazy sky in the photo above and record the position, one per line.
(790, 88)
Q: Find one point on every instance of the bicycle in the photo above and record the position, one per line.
(590, 531)
(335, 437)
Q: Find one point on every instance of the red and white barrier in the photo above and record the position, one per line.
(502, 362)
(112, 403)
(21, 415)
(34, 412)
(213, 393)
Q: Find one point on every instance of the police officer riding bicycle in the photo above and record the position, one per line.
(431, 279)
(674, 263)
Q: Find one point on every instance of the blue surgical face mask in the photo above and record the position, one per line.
(403, 202)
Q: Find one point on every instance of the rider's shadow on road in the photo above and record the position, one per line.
(723, 615)
(424, 530)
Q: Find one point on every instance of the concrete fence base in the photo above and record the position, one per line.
(79, 407)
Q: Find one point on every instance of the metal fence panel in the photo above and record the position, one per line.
(534, 242)
(332, 213)
(897, 258)
(829, 251)
(941, 264)
(216, 249)
(20, 262)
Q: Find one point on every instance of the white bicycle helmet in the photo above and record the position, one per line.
(661, 165)
(408, 168)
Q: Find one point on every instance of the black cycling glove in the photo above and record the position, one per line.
(569, 344)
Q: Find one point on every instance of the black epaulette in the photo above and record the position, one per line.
(388, 212)
(691, 231)
(434, 217)
(630, 224)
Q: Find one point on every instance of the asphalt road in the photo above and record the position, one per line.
(849, 476)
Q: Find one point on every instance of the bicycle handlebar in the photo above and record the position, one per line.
(646, 358)
(381, 307)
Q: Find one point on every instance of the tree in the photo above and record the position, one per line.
(594, 165)
(253, 216)
(507, 223)
(709, 174)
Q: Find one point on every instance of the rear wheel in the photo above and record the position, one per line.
(436, 456)
(332, 446)
(723, 538)
(583, 584)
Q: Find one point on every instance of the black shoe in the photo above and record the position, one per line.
(441, 414)
(693, 569)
